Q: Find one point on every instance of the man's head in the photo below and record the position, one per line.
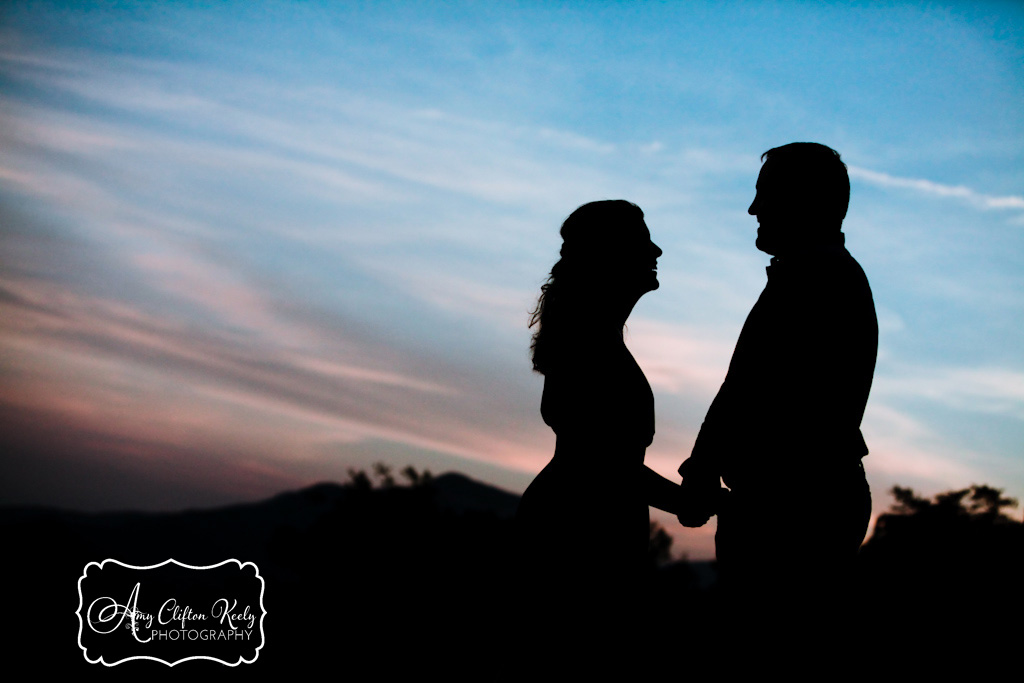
(803, 192)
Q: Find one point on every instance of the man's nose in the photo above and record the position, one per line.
(657, 250)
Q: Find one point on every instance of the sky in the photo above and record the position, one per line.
(245, 247)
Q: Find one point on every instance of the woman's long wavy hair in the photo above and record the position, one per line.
(568, 297)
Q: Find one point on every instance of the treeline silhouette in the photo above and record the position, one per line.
(947, 570)
(399, 574)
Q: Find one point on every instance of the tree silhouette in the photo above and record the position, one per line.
(383, 474)
(660, 545)
(949, 565)
(979, 502)
(417, 478)
(359, 480)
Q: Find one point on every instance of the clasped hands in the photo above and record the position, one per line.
(699, 501)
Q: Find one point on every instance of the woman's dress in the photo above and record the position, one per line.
(584, 523)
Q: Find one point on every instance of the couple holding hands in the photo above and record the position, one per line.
(783, 433)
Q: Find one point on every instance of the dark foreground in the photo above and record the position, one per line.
(396, 582)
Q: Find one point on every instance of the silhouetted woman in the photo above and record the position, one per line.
(584, 522)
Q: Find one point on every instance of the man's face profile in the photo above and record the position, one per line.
(769, 207)
(802, 195)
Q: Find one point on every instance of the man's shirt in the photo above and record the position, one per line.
(794, 396)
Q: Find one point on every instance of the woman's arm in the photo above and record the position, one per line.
(660, 492)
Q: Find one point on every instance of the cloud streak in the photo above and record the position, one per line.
(978, 199)
(109, 344)
(994, 390)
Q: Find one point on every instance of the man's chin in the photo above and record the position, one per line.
(765, 244)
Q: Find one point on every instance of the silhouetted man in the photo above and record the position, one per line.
(784, 431)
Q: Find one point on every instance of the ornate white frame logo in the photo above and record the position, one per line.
(107, 609)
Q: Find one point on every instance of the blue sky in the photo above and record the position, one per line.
(246, 246)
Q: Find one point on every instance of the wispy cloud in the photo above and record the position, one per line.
(981, 200)
(905, 451)
(332, 382)
(681, 360)
(995, 390)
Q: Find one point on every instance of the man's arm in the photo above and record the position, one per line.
(732, 418)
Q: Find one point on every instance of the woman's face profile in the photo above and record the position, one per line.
(632, 260)
(639, 259)
(607, 251)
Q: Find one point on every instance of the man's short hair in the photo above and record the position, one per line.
(816, 173)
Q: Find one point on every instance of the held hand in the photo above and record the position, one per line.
(693, 516)
(699, 503)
